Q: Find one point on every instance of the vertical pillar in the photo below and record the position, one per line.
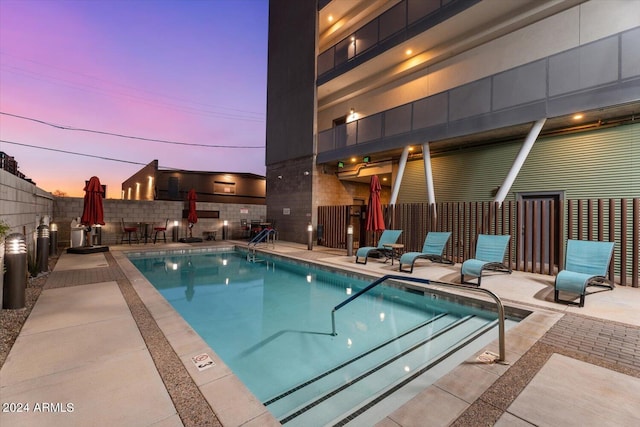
(428, 173)
(519, 161)
(396, 183)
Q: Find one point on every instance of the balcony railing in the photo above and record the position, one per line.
(405, 19)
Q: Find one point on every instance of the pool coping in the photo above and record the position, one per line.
(233, 402)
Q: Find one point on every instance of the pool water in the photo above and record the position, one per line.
(270, 322)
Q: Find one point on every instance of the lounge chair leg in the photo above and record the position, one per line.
(555, 296)
(581, 301)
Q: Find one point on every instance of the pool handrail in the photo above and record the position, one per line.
(262, 237)
(501, 331)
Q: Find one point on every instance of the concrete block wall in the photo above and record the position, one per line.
(23, 205)
(153, 213)
(290, 198)
(233, 214)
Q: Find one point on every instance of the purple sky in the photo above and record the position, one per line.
(187, 71)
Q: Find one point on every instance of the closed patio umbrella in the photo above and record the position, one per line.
(375, 219)
(193, 216)
(93, 211)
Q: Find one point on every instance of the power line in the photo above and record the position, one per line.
(71, 128)
(72, 152)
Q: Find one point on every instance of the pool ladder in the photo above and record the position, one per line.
(372, 285)
(266, 237)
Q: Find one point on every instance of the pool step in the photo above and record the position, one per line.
(353, 384)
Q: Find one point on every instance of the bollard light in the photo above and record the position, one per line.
(174, 232)
(15, 276)
(350, 240)
(225, 223)
(42, 250)
(309, 236)
(53, 239)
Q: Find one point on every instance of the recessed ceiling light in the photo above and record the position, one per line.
(577, 116)
(408, 51)
(330, 18)
(353, 160)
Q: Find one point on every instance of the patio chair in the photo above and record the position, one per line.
(490, 252)
(387, 237)
(586, 264)
(432, 249)
(129, 231)
(160, 229)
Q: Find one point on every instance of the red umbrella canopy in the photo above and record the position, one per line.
(375, 220)
(93, 212)
(191, 197)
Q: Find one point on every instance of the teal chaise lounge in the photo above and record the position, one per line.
(387, 237)
(432, 249)
(490, 251)
(586, 264)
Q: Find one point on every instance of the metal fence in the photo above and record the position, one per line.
(539, 230)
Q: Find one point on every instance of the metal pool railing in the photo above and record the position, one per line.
(501, 330)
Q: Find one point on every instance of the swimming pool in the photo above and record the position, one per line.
(271, 324)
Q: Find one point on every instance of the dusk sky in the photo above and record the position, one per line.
(181, 71)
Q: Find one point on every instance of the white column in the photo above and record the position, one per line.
(428, 173)
(519, 161)
(398, 180)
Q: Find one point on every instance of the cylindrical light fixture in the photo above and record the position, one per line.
(225, 224)
(309, 236)
(53, 240)
(15, 276)
(174, 231)
(350, 240)
(42, 252)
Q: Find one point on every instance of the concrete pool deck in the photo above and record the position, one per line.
(102, 347)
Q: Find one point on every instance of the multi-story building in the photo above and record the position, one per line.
(152, 183)
(450, 101)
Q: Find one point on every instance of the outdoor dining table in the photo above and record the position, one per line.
(144, 231)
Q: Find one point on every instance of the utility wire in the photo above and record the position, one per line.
(72, 152)
(71, 128)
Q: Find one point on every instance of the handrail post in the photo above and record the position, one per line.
(333, 322)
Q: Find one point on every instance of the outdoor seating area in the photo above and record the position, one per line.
(586, 263)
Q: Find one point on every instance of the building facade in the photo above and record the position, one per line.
(460, 100)
(151, 183)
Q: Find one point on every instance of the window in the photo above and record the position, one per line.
(224, 187)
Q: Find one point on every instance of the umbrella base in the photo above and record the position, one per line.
(190, 240)
(88, 249)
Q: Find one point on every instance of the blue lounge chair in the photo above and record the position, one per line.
(490, 251)
(586, 264)
(432, 249)
(387, 237)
